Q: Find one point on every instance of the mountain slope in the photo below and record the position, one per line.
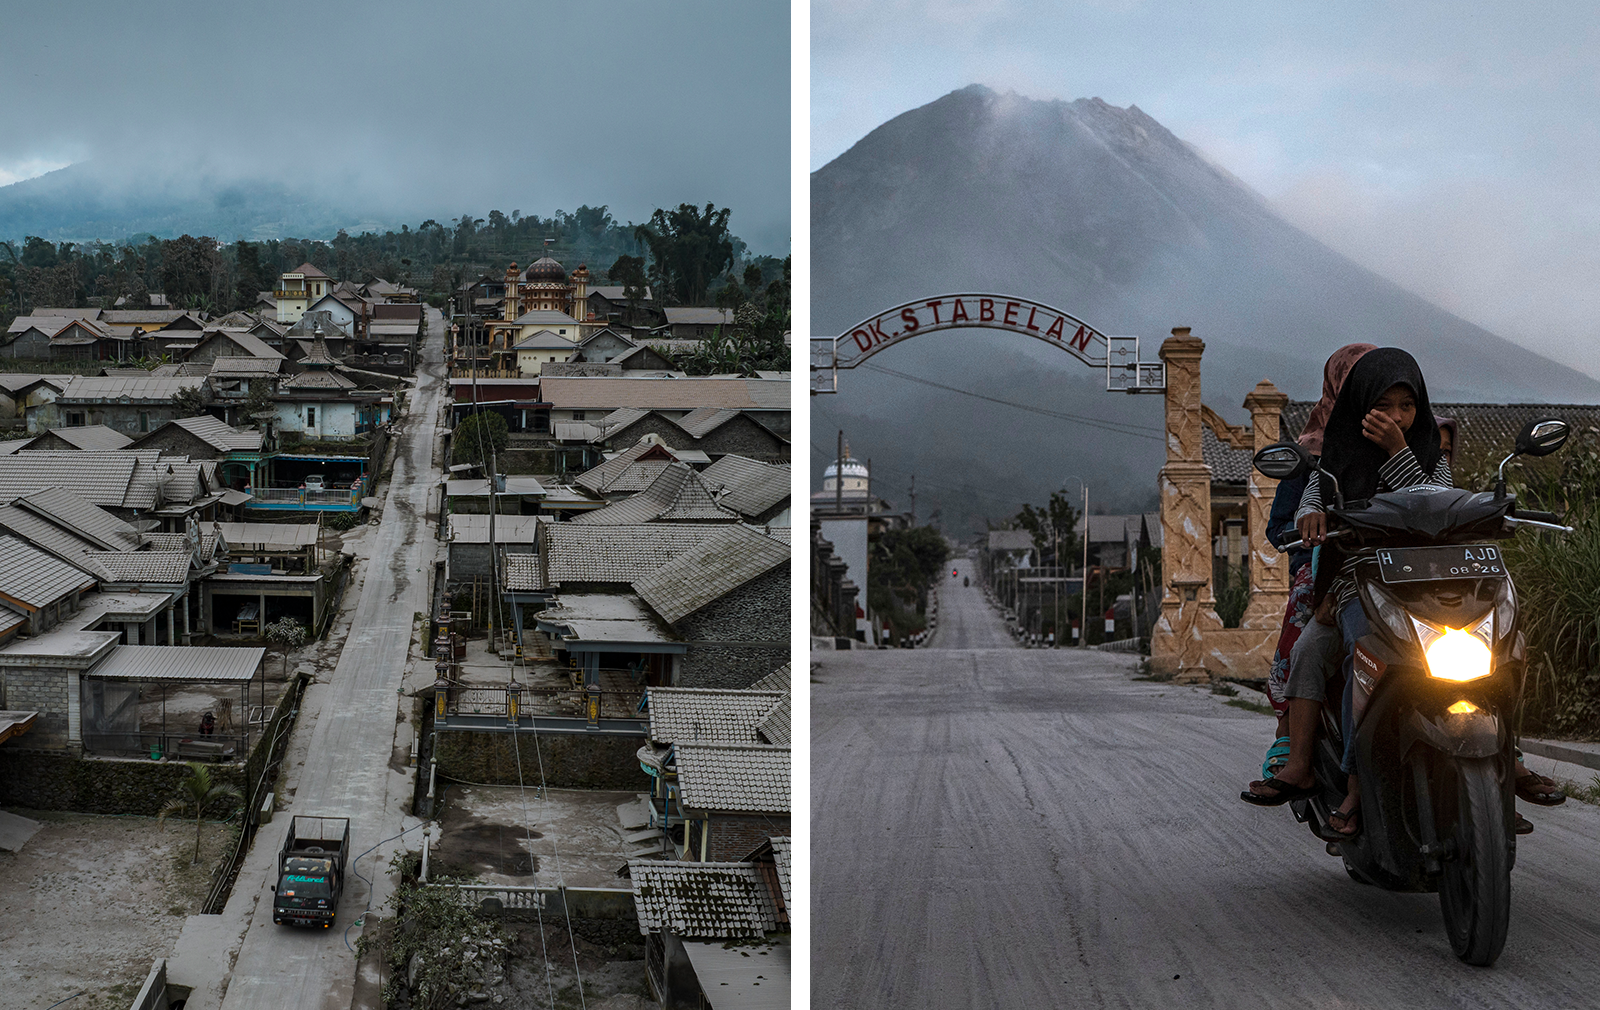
(1104, 213)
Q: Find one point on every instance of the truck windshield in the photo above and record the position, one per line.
(300, 885)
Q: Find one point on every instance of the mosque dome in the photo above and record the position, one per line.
(548, 270)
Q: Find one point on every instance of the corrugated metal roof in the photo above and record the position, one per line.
(89, 387)
(34, 578)
(180, 662)
(711, 715)
(466, 528)
(702, 899)
(606, 392)
(603, 617)
(696, 315)
(709, 570)
(740, 778)
(269, 536)
(742, 978)
(89, 436)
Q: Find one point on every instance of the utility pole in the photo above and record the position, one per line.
(1083, 616)
(838, 477)
(913, 499)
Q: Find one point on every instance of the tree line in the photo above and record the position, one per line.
(685, 256)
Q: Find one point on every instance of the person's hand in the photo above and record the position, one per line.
(1313, 527)
(1380, 428)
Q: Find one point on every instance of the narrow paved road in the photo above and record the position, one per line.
(1025, 828)
(347, 769)
(966, 619)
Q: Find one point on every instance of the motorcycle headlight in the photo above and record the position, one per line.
(1458, 654)
(1389, 612)
(1505, 607)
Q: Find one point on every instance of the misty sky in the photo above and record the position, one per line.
(1452, 147)
(423, 109)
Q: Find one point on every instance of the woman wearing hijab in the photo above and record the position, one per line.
(1380, 436)
(1281, 530)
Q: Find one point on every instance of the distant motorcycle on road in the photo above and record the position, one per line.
(1436, 682)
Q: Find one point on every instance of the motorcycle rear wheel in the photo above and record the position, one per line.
(1475, 887)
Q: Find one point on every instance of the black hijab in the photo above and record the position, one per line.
(1350, 456)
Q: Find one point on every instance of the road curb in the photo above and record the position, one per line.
(1570, 753)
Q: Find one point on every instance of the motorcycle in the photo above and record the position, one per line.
(1436, 680)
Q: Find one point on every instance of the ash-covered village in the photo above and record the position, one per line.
(450, 622)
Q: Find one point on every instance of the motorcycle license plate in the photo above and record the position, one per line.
(1428, 564)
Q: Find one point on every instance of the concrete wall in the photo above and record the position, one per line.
(571, 760)
(42, 781)
(334, 419)
(43, 690)
(467, 560)
(755, 614)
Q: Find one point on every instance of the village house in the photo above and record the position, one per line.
(126, 404)
(687, 322)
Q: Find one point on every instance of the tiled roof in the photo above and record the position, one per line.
(544, 340)
(575, 552)
(743, 778)
(602, 478)
(307, 270)
(48, 325)
(709, 900)
(782, 856)
(317, 379)
(777, 680)
(239, 366)
(1227, 463)
(585, 392)
(219, 434)
(522, 573)
(774, 726)
(91, 436)
(545, 317)
(711, 715)
(81, 516)
(34, 578)
(638, 476)
(617, 420)
(709, 570)
(676, 495)
(102, 478)
(66, 544)
(252, 345)
(702, 421)
(749, 487)
(163, 567)
(93, 387)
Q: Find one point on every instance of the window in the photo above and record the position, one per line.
(311, 417)
(577, 415)
(144, 420)
(75, 419)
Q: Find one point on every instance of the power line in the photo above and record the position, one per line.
(1116, 427)
(939, 484)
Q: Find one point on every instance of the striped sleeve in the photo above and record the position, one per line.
(1403, 470)
(1311, 498)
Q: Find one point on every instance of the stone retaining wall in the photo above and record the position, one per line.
(570, 760)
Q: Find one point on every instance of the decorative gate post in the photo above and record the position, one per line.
(1269, 572)
(1187, 607)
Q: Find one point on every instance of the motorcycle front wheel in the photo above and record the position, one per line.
(1475, 887)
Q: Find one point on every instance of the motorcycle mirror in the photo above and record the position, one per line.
(1283, 461)
(1542, 436)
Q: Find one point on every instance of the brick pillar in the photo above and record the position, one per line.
(1187, 607)
(1269, 570)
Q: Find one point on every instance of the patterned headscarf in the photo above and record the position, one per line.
(1333, 375)
(1455, 435)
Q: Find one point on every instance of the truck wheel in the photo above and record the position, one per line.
(1475, 887)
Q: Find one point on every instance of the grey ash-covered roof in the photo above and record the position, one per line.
(710, 715)
(160, 567)
(783, 857)
(35, 579)
(219, 434)
(575, 552)
(1485, 428)
(732, 777)
(710, 569)
(632, 469)
(95, 388)
(777, 680)
(545, 340)
(774, 726)
(704, 900)
(605, 392)
(108, 479)
(89, 436)
(237, 366)
(748, 486)
(198, 663)
(1227, 464)
(676, 495)
(613, 619)
(702, 421)
(317, 379)
(698, 315)
(81, 516)
(523, 573)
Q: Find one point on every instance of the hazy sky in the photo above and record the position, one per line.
(1452, 147)
(427, 108)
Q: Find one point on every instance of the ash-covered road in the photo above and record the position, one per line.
(1027, 828)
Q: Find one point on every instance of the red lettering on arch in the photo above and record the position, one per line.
(858, 335)
(909, 317)
(935, 307)
(1055, 328)
(1032, 311)
(959, 313)
(1011, 314)
(986, 310)
(1080, 340)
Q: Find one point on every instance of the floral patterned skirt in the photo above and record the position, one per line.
(1295, 618)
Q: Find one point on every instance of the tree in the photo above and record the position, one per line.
(195, 794)
(247, 265)
(186, 269)
(190, 401)
(286, 633)
(1051, 526)
(689, 248)
(476, 435)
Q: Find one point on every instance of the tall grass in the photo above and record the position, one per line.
(1558, 582)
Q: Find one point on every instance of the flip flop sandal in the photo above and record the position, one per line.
(1540, 790)
(1523, 826)
(1282, 793)
(1348, 819)
(1277, 757)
